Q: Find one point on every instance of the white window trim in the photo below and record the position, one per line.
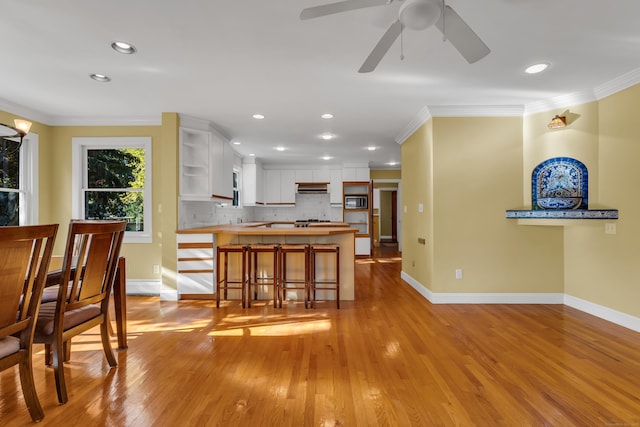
(29, 164)
(28, 190)
(79, 147)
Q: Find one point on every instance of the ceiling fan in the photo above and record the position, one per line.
(416, 15)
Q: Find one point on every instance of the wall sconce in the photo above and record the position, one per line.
(19, 129)
(558, 122)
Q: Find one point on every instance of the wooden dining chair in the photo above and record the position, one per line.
(88, 269)
(25, 253)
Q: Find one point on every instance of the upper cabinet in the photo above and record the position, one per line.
(252, 183)
(222, 168)
(355, 173)
(288, 187)
(195, 178)
(335, 187)
(279, 187)
(206, 162)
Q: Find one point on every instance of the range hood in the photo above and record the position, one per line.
(312, 187)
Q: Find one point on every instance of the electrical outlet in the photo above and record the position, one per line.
(610, 228)
(458, 273)
(156, 269)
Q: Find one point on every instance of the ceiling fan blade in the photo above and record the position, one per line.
(341, 6)
(461, 36)
(381, 48)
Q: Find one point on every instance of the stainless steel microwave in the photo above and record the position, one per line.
(355, 202)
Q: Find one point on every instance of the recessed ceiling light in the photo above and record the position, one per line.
(326, 157)
(536, 68)
(327, 136)
(371, 148)
(392, 163)
(100, 78)
(236, 142)
(123, 47)
(280, 148)
(327, 116)
(258, 116)
(252, 154)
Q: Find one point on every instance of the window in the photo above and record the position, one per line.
(236, 188)
(112, 180)
(18, 183)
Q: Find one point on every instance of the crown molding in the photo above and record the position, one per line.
(421, 118)
(618, 84)
(561, 101)
(29, 113)
(107, 121)
(476, 110)
(50, 120)
(427, 113)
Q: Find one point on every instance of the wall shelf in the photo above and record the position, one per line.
(560, 216)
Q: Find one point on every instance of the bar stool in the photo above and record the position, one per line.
(223, 281)
(298, 284)
(326, 283)
(259, 278)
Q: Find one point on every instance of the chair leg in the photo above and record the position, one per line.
(58, 370)
(106, 344)
(29, 389)
(47, 354)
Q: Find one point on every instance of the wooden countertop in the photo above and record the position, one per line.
(264, 229)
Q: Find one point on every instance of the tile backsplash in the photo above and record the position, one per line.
(308, 206)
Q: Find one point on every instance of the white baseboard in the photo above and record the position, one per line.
(603, 312)
(143, 287)
(600, 311)
(151, 288)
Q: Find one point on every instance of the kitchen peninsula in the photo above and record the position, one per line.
(197, 250)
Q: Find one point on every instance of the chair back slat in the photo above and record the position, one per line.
(14, 263)
(25, 253)
(90, 262)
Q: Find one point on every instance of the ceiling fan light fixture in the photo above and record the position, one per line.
(419, 14)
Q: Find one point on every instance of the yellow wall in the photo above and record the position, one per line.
(55, 189)
(385, 214)
(477, 176)
(602, 268)
(417, 169)
(467, 172)
(385, 174)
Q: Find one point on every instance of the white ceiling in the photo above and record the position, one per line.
(224, 60)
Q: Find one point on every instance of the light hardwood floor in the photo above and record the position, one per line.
(388, 359)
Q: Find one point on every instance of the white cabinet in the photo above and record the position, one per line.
(279, 186)
(288, 186)
(321, 175)
(221, 168)
(196, 264)
(355, 174)
(195, 179)
(206, 161)
(271, 186)
(252, 184)
(304, 175)
(335, 186)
